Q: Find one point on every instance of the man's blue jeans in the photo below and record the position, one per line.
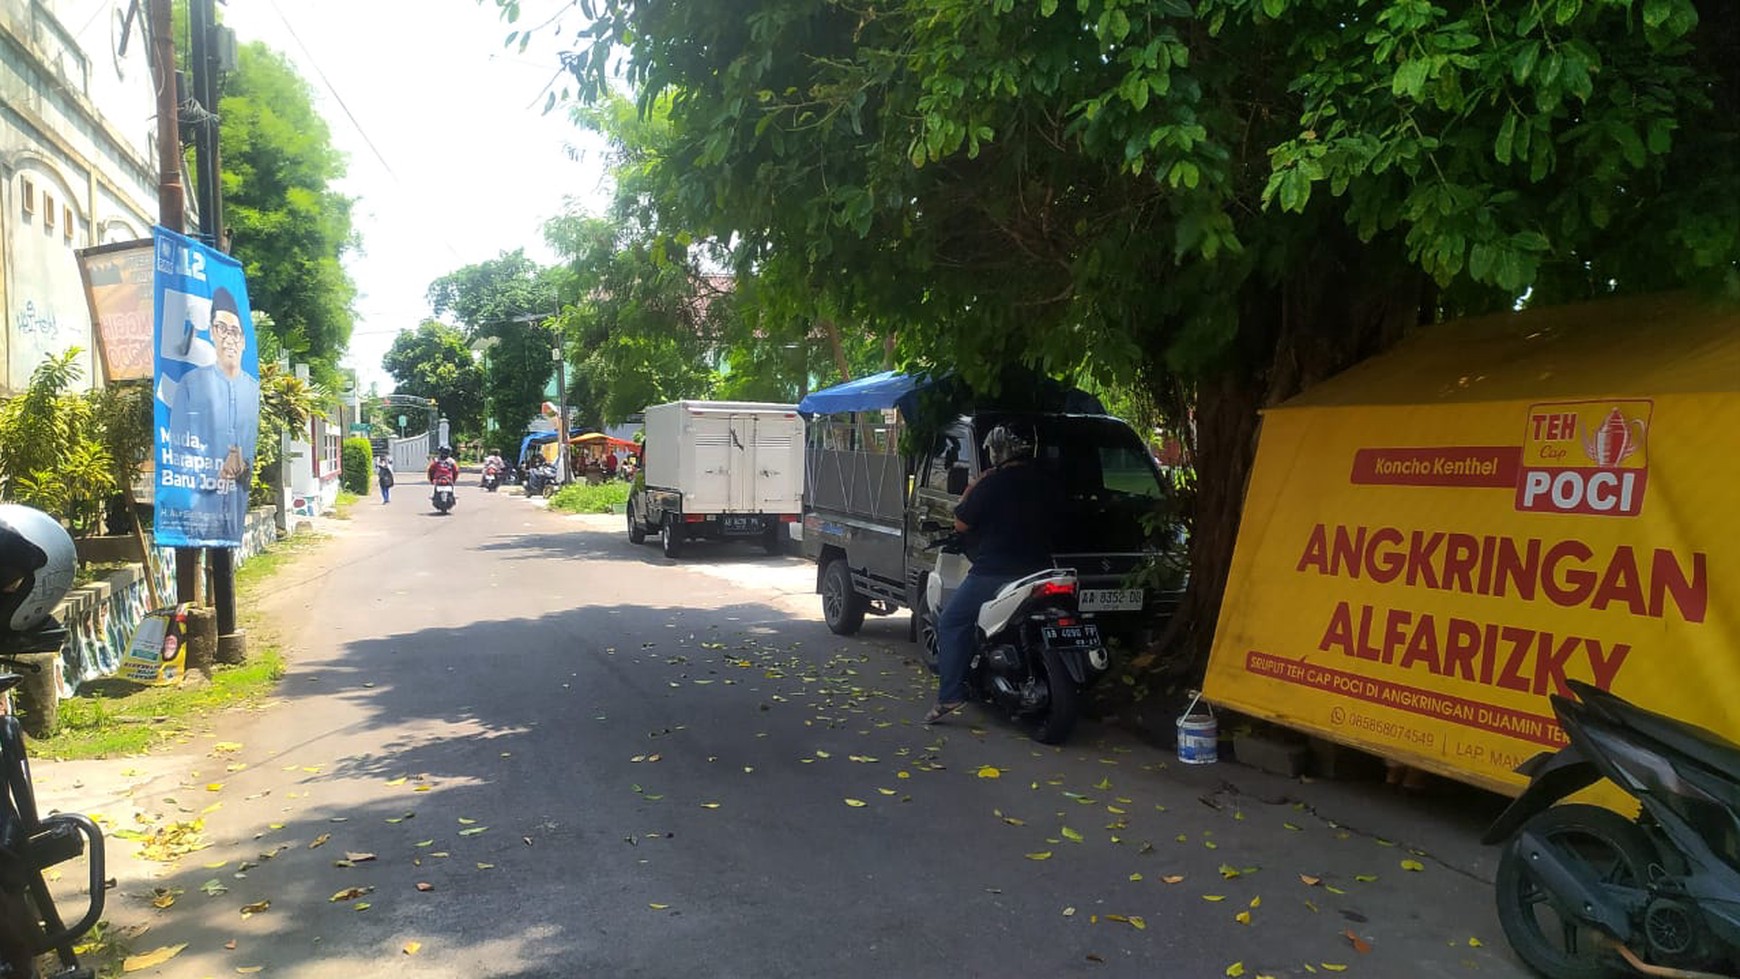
(957, 632)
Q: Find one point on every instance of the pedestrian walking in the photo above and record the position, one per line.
(384, 476)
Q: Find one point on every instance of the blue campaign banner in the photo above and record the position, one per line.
(207, 404)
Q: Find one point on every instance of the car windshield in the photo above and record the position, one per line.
(1106, 475)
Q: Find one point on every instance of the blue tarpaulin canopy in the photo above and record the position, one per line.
(1021, 390)
(873, 393)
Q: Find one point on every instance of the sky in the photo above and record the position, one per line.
(450, 155)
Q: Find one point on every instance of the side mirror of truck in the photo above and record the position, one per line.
(957, 480)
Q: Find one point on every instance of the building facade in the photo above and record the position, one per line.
(78, 165)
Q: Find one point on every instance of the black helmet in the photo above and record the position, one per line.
(446, 452)
(1003, 443)
(36, 567)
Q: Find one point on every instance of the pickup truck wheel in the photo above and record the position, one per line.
(842, 607)
(671, 537)
(636, 529)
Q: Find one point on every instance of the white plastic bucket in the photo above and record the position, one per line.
(1198, 734)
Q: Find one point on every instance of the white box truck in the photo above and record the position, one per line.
(718, 469)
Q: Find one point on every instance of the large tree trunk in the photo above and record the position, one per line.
(1317, 323)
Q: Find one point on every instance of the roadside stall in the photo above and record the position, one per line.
(1436, 540)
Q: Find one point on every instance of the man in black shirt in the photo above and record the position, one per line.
(1008, 515)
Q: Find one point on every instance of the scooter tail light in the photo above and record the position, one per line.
(1053, 589)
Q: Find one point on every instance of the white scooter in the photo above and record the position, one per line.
(1036, 652)
(442, 498)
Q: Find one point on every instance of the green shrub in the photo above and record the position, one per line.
(52, 456)
(359, 462)
(584, 498)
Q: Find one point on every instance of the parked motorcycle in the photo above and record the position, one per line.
(37, 560)
(442, 497)
(541, 480)
(1584, 892)
(1037, 653)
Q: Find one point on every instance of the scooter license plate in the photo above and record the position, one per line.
(1070, 636)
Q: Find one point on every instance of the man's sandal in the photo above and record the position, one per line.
(940, 711)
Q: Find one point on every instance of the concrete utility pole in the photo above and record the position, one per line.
(171, 198)
(206, 39)
(171, 204)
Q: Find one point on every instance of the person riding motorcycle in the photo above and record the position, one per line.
(493, 465)
(443, 470)
(1007, 515)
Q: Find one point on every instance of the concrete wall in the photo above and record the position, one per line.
(101, 615)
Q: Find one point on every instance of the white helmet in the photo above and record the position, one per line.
(36, 567)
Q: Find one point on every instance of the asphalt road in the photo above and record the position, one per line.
(544, 751)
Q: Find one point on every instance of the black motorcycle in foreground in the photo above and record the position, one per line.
(1584, 892)
(37, 561)
(1037, 652)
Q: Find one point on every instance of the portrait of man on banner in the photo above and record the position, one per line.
(207, 395)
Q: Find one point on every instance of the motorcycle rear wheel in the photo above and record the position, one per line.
(1058, 721)
(1615, 849)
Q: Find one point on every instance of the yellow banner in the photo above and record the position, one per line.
(1416, 580)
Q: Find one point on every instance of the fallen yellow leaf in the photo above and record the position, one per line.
(1072, 835)
(214, 786)
(362, 906)
(1413, 865)
(320, 840)
(1333, 966)
(1257, 902)
(248, 970)
(1310, 881)
(349, 894)
(856, 803)
(1138, 922)
(1243, 917)
(1172, 879)
(658, 907)
(987, 771)
(255, 908)
(709, 805)
(1214, 897)
(1235, 970)
(1474, 943)
(358, 857)
(397, 781)
(412, 948)
(151, 959)
(1042, 855)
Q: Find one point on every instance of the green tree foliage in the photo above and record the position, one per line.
(1233, 198)
(644, 328)
(288, 227)
(52, 454)
(434, 361)
(508, 302)
(287, 402)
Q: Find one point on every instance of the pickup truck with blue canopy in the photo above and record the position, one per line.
(887, 457)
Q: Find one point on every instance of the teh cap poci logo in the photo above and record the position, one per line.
(1587, 457)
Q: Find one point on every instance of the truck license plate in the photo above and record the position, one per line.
(1111, 599)
(741, 525)
(1070, 636)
